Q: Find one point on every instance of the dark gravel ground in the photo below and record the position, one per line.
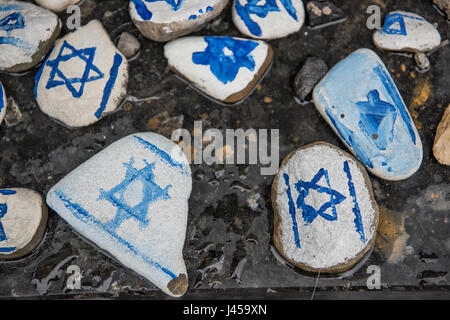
(228, 244)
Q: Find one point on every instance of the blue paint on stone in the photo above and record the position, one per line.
(12, 22)
(3, 211)
(397, 18)
(146, 14)
(292, 210)
(2, 96)
(351, 188)
(226, 56)
(39, 73)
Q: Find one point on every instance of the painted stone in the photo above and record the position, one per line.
(164, 20)
(128, 45)
(441, 146)
(325, 217)
(23, 219)
(2, 103)
(131, 199)
(83, 79)
(224, 68)
(309, 75)
(323, 13)
(57, 5)
(27, 33)
(270, 19)
(406, 31)
(360, 101)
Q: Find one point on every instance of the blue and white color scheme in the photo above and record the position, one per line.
(21, 216)
(326, 215)
(26, 33)
(268, 19)
(2, 103)
(361, 102)
(131, 199)
(84, 77)
(219, 66)
(164, 20)
(406, 31)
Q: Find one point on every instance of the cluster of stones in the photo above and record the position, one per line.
(325, 213)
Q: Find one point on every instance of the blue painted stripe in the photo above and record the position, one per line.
(292, 211)
(7, 249)
(356, 211)
(142, 10)
(83, 215)
(2, 105)
(110, 84)
(39, 73)
(398, 102)
(16, 42)
(163, 155)
(7, 192)
(11, 7)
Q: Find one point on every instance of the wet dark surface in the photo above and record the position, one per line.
(228, 242)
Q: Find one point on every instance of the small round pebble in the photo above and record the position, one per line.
(309, 75)
(128, 45)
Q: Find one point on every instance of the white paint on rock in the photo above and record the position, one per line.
(406, 31)
(276, 24)
(57, 5)
(78, 198)
(179, 54)
(2, 103)
(324, 244)
(22, 218)
(58, 102)
(23, 43)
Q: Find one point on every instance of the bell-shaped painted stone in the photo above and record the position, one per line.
(361, 102)
(164, 20)
(325, 215)
(2, 103)
(27, 32)
(224, 68)
(23, 219)
(270, 19)
(406, 31)
(57, 5)
(131, 199)
(84, 78)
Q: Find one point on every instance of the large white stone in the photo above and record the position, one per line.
(84, 78)
(27, 33)
(325, 214)
(131, 199)
(23, 218)
(57, 5)
(225, 68)
(2, 103)
(268, 19)
(406, 31)
(164, 20)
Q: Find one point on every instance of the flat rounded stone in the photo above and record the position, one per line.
(361, 102)
(128, 44)
(84, 78)
(23, 219)
(131, 199)
(226, 69)
(27, 32)
(269, 19)
(325, 215)
(164, 20)
(406, 31)
(2, 103)
(441, 146)
(57, 5)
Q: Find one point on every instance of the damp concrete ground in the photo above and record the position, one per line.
(228, 243)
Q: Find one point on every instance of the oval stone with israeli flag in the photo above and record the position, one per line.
(360, 101)
(131, 199)
(325, 217)
(84, 78)
(2, 103)
(23, 220)
(226, 69)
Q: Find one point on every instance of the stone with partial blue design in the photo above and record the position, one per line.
(268, 19)
(325, 215)
(360, 101)
(27, 33)
(406, 31)
(131, 199)
(2, 103)
(83, 79)
(164, 20)
(226, 69)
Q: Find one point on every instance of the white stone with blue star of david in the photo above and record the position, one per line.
(131, 199)
(84, 78)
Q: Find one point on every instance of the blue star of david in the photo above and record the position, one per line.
(151, 193)
(377, 119)
(87, 55)
(3, 211)
(310, 213)
(226, 56)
